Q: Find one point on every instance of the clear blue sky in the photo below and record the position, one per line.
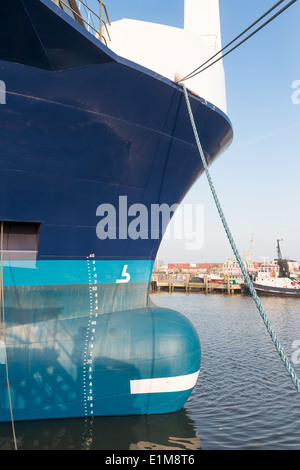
(257, 178)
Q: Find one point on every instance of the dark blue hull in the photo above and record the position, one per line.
(81, 128)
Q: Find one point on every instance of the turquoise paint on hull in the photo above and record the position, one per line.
(83, 366)
(61, 272)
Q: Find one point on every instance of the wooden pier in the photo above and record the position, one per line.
(171, 284)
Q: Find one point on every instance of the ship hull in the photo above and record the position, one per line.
(272, 290)
(277, 290)
(84, 132)
(93, 365)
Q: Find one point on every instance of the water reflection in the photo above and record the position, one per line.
(172, 431)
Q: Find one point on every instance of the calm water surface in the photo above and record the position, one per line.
(244, 398)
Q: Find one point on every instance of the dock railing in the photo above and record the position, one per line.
(87, 17)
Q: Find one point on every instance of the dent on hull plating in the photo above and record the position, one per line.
(81, 127)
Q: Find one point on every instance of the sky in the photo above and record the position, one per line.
(257, 177)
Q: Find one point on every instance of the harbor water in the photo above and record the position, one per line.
(244, 397)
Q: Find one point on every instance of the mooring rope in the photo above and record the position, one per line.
(248, 281)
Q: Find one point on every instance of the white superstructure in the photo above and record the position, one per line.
(174, 52)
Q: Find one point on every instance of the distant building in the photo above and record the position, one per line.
(194, 268)
(190, 267)
(293, 266)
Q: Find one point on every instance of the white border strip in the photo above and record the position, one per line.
(164, 384)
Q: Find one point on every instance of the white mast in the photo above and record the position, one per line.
(202, 17)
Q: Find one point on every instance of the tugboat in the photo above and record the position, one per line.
(275, 278)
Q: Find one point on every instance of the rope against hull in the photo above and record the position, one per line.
(248, 281)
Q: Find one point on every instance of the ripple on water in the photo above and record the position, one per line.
(244, 397)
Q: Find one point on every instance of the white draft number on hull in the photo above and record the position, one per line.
(125, 275)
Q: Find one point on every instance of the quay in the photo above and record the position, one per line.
(185, 284)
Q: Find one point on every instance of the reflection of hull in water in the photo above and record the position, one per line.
(169, 431)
